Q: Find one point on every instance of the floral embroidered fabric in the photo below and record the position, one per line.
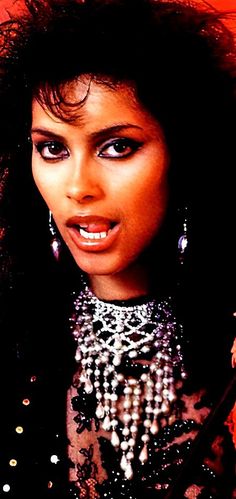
(35, 448)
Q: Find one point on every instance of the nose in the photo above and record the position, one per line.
(84, 183)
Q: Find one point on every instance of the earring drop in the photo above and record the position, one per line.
(183, 239)
(55, 241)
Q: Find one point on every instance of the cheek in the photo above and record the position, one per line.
(148, 199)
(145, 211)
(38, 175)
(45, 183)
(146, 186)
(43, 189)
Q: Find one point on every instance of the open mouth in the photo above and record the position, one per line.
(92, 232)
(95, 231)
(93, 235)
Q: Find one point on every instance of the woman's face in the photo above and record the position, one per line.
(103, 176)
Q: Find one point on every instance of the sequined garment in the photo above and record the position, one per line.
(52, 446)
(167, 452)
(34, 446)
(131, 374)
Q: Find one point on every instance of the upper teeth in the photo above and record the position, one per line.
(92, 235)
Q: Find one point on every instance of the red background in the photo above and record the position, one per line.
(15, 6)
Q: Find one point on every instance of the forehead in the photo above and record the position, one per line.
(71, 99)
(85, 86)
(87, 102)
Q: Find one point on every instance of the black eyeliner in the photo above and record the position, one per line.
(133, 144)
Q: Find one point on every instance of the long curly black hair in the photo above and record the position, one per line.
(181, 60)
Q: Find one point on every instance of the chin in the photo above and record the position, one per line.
(96, 266)
(101, 265)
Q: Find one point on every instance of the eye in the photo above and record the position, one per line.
(52, 150)
(121, 147)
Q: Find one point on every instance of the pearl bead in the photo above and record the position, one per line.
(127, 404)
(127, 417)
(125, 432)
(145, 438)
(124, 445)
(113, 397)
(127, 390)
(131, 442)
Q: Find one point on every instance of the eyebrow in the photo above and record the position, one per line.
(47, 133)
(94, 135)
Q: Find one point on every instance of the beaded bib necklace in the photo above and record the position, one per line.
(112, 339)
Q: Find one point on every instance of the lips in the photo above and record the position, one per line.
(92, 233)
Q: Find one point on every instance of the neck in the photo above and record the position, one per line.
(122, 286)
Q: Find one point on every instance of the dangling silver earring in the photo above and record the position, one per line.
(55, 241)
(183, 239)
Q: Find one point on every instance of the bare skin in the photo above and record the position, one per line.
(107, 172)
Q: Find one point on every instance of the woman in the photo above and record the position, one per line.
(125, 111)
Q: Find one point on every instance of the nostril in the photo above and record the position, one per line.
(86, 198)
(78, 195)
(83, 192)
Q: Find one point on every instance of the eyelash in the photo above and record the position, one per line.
(40, 146)
(123, 142)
